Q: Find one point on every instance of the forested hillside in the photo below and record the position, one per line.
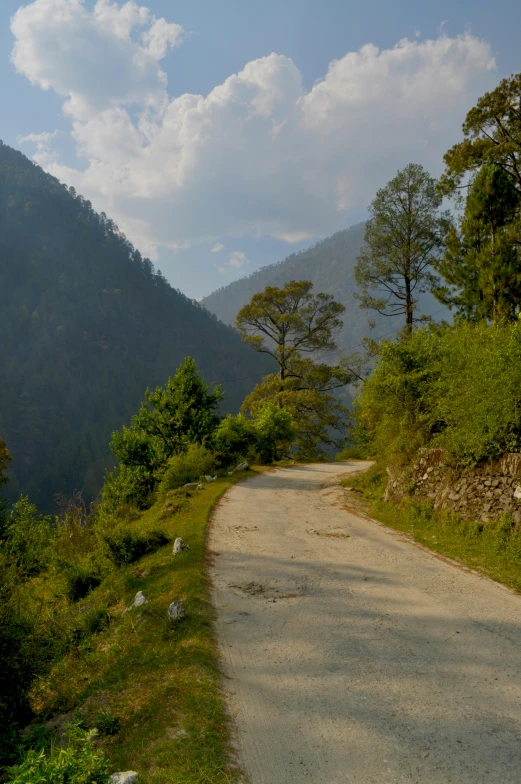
(86, 324)
(329, 265)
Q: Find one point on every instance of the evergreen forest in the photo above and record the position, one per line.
(86, 325)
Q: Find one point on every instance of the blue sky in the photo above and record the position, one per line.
(193, 138)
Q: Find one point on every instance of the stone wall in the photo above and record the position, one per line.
(481, 493)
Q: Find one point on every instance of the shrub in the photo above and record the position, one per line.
(456, 387)
(268, 435)
(126, 546)
(78, 763)
(186, 467)
(234, 439)
(275, 430)
(27, 536)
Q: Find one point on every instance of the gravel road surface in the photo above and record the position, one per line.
(349, 654)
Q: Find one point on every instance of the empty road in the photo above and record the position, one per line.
(352, 656)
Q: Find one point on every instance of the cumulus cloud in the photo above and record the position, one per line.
(90, 57)
(260, 154)
(218, 247)
(236, 261)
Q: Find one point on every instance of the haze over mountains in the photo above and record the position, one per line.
(87, 325)
(329, 265)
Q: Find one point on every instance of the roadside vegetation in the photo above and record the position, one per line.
(492, 548)
(90, 684)
(455, 386)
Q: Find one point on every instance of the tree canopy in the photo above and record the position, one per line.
(290, 321)
(296, 328)
(481, 262)
(403, 239)
(492, 134)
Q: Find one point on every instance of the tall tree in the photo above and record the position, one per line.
(481, 265)
(403, 237)
(292, 324)
(492, 131)
(290, 321)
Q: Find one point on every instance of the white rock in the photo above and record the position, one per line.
(139, 599)
(126, 777)
(176, 611)
(191, 484)
(211, 478)
(240, 467)
(199, 487)
(179, 546)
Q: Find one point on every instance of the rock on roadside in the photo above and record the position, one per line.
(176, 611)
(139, 600)
(179, 546)
(125, 777)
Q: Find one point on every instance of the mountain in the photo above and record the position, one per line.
(86, 324)
(329, 265)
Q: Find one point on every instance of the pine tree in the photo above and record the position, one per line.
(481, 265)
(403, 239)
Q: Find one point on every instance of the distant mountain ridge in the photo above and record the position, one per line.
(330, 266)
(86, 324)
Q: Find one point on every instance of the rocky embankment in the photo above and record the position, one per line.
(481, 493)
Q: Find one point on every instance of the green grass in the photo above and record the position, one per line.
(151, 687)
(493, 548)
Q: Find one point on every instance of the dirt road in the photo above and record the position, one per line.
(352, 656)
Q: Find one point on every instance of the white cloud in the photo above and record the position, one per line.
(43, 141)
(236, 261)
(218, 247)
(90, 57)
(259, 155)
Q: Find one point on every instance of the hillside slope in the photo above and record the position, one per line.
(86, 324)
(329, 265)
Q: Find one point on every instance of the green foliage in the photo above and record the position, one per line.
(188, 466)
(289, 321)
(86, 326)
(492, 135)
(234, 438)
(481, 262)
(266, 436)
(26, 536)
(127, 546)
(318, 417)
(274, 429)
(454, 387)
(403, 239)
(168, 422)
(78, 763)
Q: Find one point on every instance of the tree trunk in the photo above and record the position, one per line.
(408, 308)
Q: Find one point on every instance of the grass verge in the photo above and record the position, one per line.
(492, 548)
(149, 686)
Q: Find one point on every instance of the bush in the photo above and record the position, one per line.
(234, 439)
(79, 763)
(457, 387)
(275, 430)
(188, 466)
(268, 434)
(126, 546)
(27, 536)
